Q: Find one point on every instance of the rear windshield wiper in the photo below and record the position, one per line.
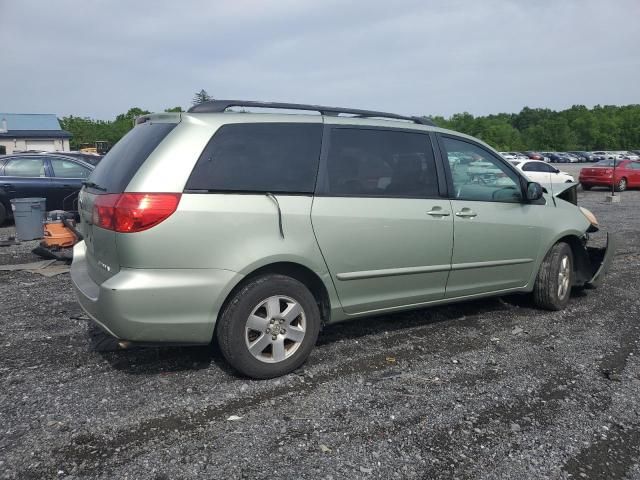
(93, 185)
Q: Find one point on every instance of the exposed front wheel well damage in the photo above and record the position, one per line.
(582, 266)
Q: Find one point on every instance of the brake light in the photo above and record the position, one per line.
(133, 212)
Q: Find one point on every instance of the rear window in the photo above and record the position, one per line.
(607, 163)
(117, 168)
(260, 157)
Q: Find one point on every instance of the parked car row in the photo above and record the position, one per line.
(574, 156)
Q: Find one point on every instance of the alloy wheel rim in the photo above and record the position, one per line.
(275, 329)
(622, 185)
(564, 277)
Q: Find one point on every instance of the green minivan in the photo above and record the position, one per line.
(256, 229)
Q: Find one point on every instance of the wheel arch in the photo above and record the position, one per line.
(581, 263)
(302, 273)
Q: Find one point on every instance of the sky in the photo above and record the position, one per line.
(421, 57)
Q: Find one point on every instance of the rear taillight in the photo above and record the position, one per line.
(133, 212)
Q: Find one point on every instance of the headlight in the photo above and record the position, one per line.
(590, 216)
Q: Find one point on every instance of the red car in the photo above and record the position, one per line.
(627, 174)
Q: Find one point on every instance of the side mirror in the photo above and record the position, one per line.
(534, 191)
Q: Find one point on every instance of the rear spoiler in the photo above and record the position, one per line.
(167, 117)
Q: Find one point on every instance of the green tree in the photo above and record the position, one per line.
(201, 97)
(605, 127)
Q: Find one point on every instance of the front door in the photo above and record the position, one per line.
(497, 235)
(25, 177)
(385, 232)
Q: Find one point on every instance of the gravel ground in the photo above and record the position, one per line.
(486, 389)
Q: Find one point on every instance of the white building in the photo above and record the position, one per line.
(31, 131)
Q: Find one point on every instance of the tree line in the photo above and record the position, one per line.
(606, 127)
(88, 131)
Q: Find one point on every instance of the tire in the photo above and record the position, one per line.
(586, 187)
(274, 353)
(3, 214)
(552, 290)
(622, 185)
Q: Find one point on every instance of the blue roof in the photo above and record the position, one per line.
(30, 121)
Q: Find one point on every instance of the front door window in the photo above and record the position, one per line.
(479, 175)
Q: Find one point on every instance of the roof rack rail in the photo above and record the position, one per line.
(218, 106)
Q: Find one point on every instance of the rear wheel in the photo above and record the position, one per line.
(622, 185)
(555, 278)
(269, 326)
(586, 187)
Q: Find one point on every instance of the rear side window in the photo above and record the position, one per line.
(68, 169)
(118, 167)
(380, 163)
(260, 157)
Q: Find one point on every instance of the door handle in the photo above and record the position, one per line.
(466, 213)
(438, 212)
(7, 185)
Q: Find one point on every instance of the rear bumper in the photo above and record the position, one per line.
(153, 305)
(598, 181)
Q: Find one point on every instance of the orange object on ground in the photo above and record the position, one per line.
(57, 235)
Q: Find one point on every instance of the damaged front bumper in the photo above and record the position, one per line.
(593, 263)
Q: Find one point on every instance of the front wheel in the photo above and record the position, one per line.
(269, 326)
(622, 185)
(555, 278)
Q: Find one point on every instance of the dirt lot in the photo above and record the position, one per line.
(488, 389)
